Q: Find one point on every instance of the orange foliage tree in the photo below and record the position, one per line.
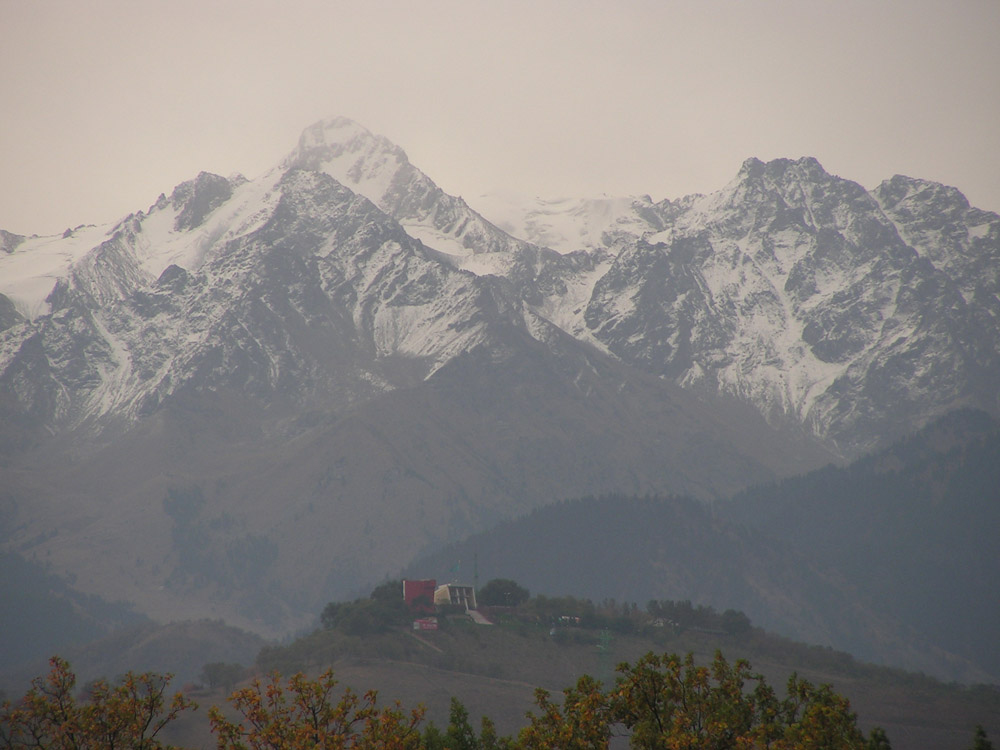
(582, 722)
(128, 715)
(304, 713)
(668, 703)
(662, 702)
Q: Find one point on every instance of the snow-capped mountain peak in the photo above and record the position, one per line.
(374, 167)
(352, 155)
(30, 270)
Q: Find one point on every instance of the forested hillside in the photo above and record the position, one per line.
(891, 558)
(913, 528)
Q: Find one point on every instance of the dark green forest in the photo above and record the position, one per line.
(913, 528)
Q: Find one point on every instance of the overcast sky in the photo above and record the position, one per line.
(104, 105)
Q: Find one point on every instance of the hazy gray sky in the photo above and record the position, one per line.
(107, 104)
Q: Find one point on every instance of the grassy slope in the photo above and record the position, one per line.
(494, 670)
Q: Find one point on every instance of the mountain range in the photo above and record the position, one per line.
(259, 395)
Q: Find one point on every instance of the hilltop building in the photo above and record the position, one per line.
(420, 594)
(457, 594)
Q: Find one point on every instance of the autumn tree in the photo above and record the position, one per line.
(461, 736)
(980, 741)
(130, 714)
(304, 713)
(878, 740)
(582, 722)
(666, 703)
(817, 718)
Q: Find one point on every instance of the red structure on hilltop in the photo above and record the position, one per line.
(419, 594)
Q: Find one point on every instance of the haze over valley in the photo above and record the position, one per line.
(683, 317)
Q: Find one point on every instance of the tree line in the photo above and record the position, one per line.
(661, 702)
(384, 609)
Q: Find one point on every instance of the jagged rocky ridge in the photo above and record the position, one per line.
(858, 315)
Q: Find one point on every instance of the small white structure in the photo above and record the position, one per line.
(456, 593)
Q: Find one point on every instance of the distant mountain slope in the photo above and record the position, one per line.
(892, 558)
(634, 550)
(42, 615)
(914, 528)
(178, 648)
(215, 517)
